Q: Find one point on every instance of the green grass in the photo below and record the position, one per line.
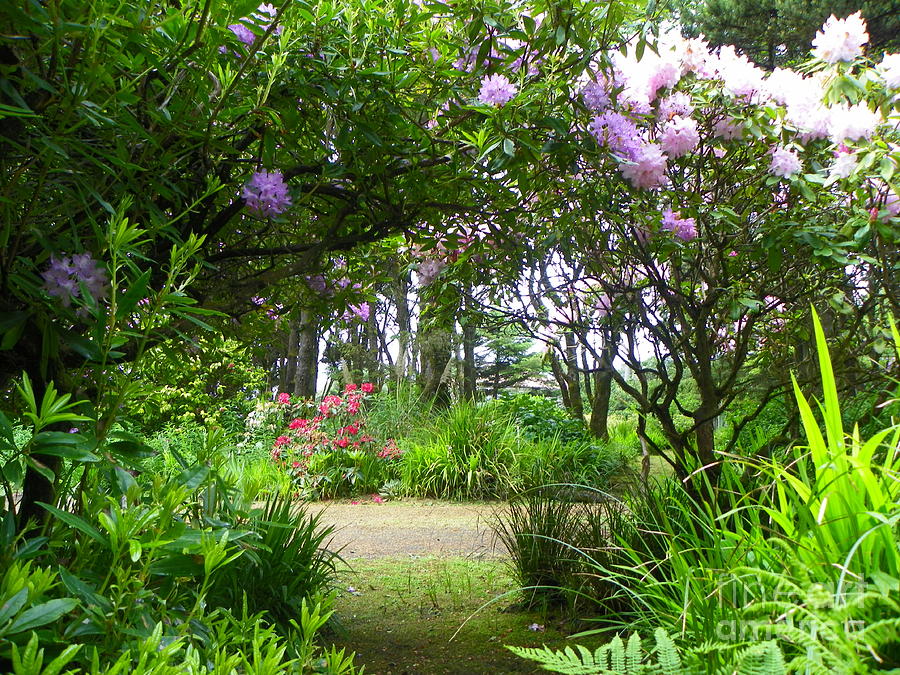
(438, 616)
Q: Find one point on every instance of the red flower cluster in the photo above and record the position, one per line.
(337, 425)
(390, 450)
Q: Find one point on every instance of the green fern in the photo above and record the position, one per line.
(613, 658)
(619, 658)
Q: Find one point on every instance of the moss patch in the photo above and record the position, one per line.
(421, 616)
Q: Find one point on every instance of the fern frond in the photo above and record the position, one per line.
(617, 654)
(567, 661)
(667, 653)
(762, 658)
(633, 653)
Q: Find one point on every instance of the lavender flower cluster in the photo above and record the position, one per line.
(266, 193)
(66, 277)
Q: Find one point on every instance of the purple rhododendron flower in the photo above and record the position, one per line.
(65, 278)
(683, 228)
(361, 311)
(266, 193)
(841, 39)
(617, 132)
(496, 90)
(595, 96)
(242, 33)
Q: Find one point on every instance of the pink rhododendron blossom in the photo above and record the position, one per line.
(266, 193)
(647, 168)
(377, 499)
(496, 90)
(683, 228)
(367, 387)
(852, 122)
(664, 74)
(429, 270)
(676, 104)
(740, 77)
(284, 398)
(728, 129)
(841, 39)
(889, 69)
(603, 305)
(281, 441)
(782, 84)
(844, 165)
(785, 163)
(679, 136)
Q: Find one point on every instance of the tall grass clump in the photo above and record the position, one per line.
(468, 453)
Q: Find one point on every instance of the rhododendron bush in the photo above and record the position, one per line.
(713, 203)
(329, 453)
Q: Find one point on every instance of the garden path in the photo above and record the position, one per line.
(397, 529)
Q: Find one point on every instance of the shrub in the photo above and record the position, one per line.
(469, 453)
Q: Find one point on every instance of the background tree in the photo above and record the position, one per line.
(779, 32)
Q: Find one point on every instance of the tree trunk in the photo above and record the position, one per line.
(603, 380)
(288, 369)
(469, 337)
(307, 355)
(435, 341)
(400, 289)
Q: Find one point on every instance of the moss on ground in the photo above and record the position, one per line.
(427, 616)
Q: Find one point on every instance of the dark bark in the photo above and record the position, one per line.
(288, 369)
(307, 359)
(603, 380)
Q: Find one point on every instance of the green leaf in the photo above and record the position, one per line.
(178, 565)
(6, 430)
(124, 480)
(82, 590)
(193, 477)
(13, 472)
(11, 328)
(42, 614)
(42, 469)
(136, 292)
(134, 550)
(12, 606)
(77, 522)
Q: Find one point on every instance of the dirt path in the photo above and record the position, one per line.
(426, 590)
(399, 529)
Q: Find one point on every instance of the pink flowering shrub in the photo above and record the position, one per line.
(330, 453)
